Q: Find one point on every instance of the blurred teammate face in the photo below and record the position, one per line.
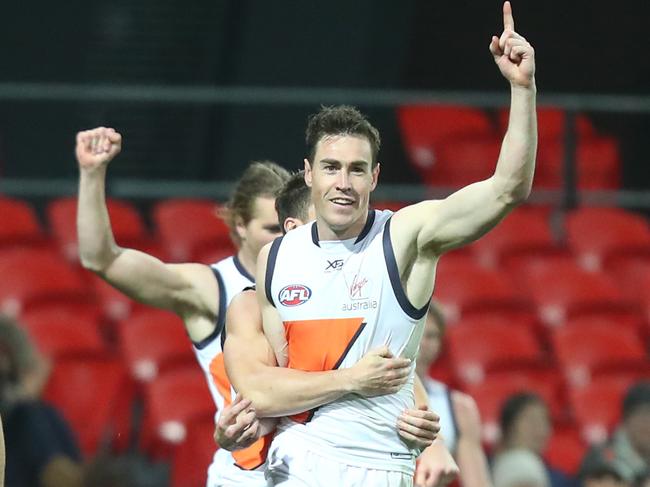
(532, 428)
(430, 344)
(341, 177)
(262, 228)
(637, 427)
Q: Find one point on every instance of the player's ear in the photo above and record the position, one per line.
(240, 228)
(375, 176)
(291, 223)
(308, 174)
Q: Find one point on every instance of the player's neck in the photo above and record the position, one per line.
(247, 261)
(326, 232)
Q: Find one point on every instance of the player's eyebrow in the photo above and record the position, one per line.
(275, 228)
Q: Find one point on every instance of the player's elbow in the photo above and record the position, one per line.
(97, 262)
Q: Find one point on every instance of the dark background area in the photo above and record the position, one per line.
(582, 47)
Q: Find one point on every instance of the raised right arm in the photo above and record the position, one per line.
(189, 290)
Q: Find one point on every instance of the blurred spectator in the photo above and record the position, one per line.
(519, 468)
(629, 448)
(525, 424)
(602, 475)
(460, 422)
(643, 480)
(40, 447)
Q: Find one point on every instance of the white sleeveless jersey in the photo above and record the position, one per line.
(232, 278)
(338, 300)
(440, 403)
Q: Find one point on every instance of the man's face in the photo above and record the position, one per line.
(532, 428)
(430, 343)
(261, 229)
(341, 177)
(637, 427)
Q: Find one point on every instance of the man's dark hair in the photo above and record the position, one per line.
(340, 120)
(292, 201)
(513, 407)
(637, 396)
(262, 179)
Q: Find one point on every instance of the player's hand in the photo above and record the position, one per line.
(379, 373)
(418, 428)
(97, 147)
(436, 467)
(513, 54)
(238, 426)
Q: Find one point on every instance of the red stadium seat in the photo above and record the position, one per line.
(526, 231)
(463, 290)
(425, 127)
(152, 341)
(115, 304)
(58, 336)
(597, 406)
(34, 278)
(491, 394)
(563, 290)
(19, 224)
(172, 401)
(600, 346)
(389, 205)
(193, 456)
(95, 396)
(598, 163)
(597, 234)
(212, 255)
(565, 450)
(127, 225)
(480, 345)
(464, 160)
(188, 227)
(551, 123)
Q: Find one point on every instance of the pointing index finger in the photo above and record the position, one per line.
(508, 20)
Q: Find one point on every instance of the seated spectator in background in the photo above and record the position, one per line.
(460, 422)
(40, 447)
(519, 468)
(525, 424)
(602, 474)
(629, 448)
(643, 480)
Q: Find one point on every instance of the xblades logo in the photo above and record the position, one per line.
(334, 265)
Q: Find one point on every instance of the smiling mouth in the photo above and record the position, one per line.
(342, 201)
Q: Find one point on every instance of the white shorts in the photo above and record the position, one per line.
(224, 473)
(306, 468)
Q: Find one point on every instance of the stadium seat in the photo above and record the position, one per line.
(463, 160)
(58, 336)
(95, 395)
(152, 341)
(565, 450)
(597, 406)
(115, 304)
(586, 349)
(187, 227)
(598, 234)
(491, 394)
(551, 123)
(480, 345)
(172, 401)
(193, 456)
(526, 231)
(464, 289)
(598, 163)
(20, 226)
(389, 205)
(127, 225)
(38, 278)
(562, 290)
(425, 127)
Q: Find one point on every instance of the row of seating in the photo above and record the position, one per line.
(191, 229)
(455, 146)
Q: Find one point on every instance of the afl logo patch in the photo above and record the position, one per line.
(294, 295)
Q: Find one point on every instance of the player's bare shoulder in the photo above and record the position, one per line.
(243, 313)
